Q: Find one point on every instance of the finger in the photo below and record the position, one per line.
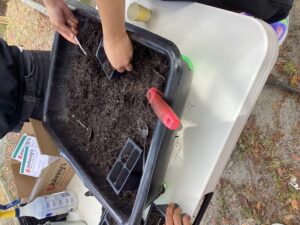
(67, 33)
(120, 69)
(186, 220)
(129, 67)
(169, 214)
(74, 20)
(74, 30)
(177, 216)
(67, 12)
(72, 23)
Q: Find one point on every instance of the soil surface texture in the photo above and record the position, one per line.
(155, 218)
(94, 116)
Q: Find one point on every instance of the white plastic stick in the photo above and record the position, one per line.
(80, 46)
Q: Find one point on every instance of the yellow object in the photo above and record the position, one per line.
(7, 214)
(137, 12)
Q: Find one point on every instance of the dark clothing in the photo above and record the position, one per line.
(268, 10)
(23, 77)
(35, 84)
(12, 87)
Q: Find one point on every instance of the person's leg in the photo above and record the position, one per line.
(37, 65)
(268, 10)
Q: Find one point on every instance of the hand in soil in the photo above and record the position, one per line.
(119, 52)
(173, 216)
(62, 19)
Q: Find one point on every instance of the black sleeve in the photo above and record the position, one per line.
(12, 85)
(268, 10)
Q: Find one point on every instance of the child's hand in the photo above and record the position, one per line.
(173, 217)
(62, 19)
(119, 52)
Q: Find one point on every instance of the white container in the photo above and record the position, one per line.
(137, 12)
(50, 205)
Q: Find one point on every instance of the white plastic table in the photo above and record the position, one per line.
(232, 56)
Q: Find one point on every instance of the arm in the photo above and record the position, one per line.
(117, 44)
(62, 19)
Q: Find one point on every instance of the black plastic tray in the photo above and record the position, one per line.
(127, 170)
(176, 89)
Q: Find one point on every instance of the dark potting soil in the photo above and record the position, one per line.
(110, 220)
(107, 67)
(155, 218)
(102, 114)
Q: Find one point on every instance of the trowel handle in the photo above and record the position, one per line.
(163, 111)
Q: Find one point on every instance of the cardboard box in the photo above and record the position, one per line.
(54, 178)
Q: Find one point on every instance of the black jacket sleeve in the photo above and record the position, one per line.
(12, 86)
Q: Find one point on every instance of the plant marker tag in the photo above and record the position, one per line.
(25, 140)
(33, 162)
(80, 46)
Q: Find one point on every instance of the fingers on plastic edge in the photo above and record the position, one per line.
(169, 219)
(169, 214)
(171, 205)
(177, 210)
(177, 217)
(186, 220)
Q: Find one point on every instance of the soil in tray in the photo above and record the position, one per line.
(155, 218)
(107, 109)
(110, 220)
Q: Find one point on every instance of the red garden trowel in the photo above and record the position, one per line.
(161, 108)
